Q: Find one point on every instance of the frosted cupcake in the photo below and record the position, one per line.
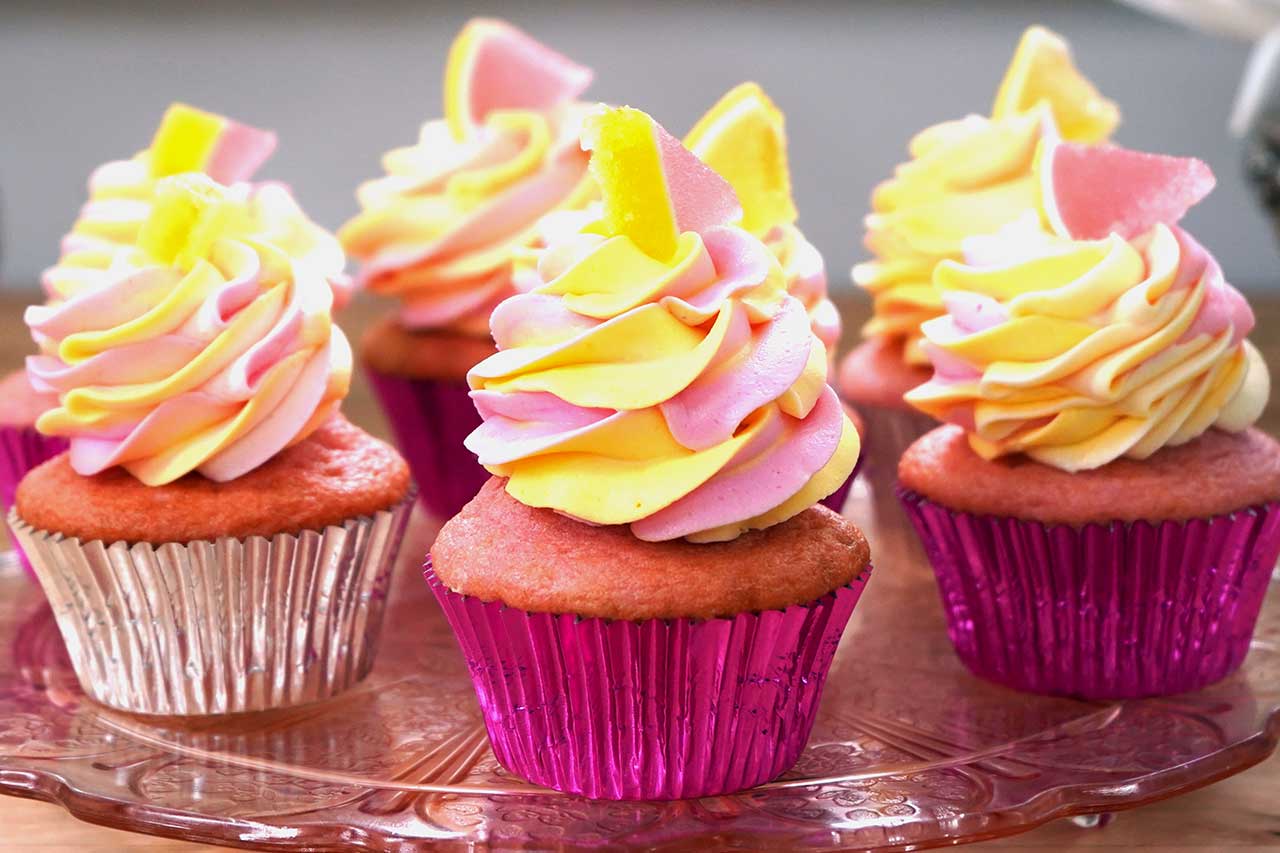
(965, 177)
(743, 138)
(660, 429)
(1102, 518)
(440, 230)
(217, 539)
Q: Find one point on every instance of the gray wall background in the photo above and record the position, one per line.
(83, 82)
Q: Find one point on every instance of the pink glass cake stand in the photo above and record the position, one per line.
(909, 750)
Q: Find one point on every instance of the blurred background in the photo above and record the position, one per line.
(83, 82)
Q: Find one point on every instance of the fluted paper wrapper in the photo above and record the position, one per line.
(658, 709)
(429, 420)
(1113, 611)
(21, 449)
(221, 626)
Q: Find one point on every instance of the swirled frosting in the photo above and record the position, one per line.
(660, 375)
(967, 177)
(121, 191)
(439, 230)
(743, 138)
(206, 344)
(1077, 352)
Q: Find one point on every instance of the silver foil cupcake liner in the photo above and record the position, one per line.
(222, 626)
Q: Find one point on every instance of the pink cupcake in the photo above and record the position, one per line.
(1101, 515)
(217, 539)
(439, 232)
(647, 594)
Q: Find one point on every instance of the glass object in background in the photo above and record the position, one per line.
(1256, 116)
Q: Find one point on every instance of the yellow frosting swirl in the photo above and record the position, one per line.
(659, 374)
(967, 177)
(1076, 353)
(205, 344)
(440, 229)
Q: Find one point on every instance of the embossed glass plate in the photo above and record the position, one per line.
(909, 749)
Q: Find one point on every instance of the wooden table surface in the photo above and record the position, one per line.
(1239, 813)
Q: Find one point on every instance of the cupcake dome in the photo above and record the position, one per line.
(1076, 352)
(206, 345)
(970, 176)
(438, 231)
(661, 376)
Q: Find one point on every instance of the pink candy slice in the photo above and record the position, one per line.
(1093, 191)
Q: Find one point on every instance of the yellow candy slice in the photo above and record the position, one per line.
(626, 163)
(743, 137)
(185, 140)
(1042, 70)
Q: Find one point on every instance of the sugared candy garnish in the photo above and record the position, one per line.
(1042, 70)
(653, 187)
(743, 137)
(190, 212)
(1089, 192)
(191, 140)
(494, 66)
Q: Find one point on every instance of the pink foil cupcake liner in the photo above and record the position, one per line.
(1115, 611)
(21, 449)
(223, 626)
(430, 419)
(649, 710)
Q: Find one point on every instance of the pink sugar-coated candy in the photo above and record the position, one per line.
(240, 151)
(1093, 191)
(701, 198)
(511, 71)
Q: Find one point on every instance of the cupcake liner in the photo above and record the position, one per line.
(222, 626)
(430, 419)
(888, 433)
(21, 449)
(1115, 611)
(658, 709)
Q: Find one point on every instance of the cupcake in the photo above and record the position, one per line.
(22, 447)
(743, 138)
(440, 230)
(646, 594)
(217, 538)
(965, 177)
(1101, 516)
